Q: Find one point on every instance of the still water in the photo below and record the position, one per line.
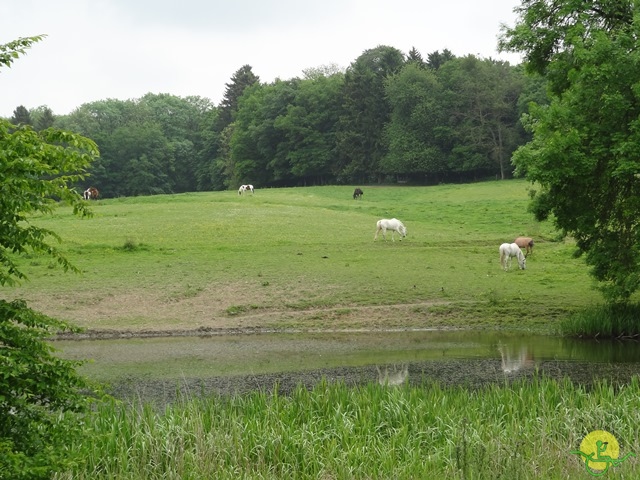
(239, 363)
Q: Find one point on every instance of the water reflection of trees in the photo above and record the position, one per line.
(394, 375)
(604, 351)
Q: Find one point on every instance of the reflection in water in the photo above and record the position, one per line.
(514, 360)
(393, 376)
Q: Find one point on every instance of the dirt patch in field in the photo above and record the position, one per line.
(354, 318)
(241, 307)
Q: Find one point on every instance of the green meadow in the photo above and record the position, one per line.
(305, 258)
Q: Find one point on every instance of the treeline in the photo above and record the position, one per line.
(389, 117)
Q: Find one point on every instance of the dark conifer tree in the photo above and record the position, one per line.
(21, 116)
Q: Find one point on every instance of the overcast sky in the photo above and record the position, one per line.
(123, 49)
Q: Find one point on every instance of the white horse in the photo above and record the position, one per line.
(394, 225)
(509, 250)
(245, 188)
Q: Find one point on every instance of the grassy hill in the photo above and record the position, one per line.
(305, 258)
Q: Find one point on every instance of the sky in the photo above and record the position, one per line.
(123, 49)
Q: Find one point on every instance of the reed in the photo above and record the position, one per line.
(524, 429)
(603, 321)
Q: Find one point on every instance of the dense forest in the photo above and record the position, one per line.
(389, 118)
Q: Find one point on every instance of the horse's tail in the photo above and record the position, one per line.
(503, 257)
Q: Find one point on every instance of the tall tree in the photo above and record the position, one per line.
(309, 126)
(240, 81)
(43, 118)
(414, 134)
(584, 155)
(360, 143)
(436, 59)
(258, 151)
(213, 154)
(21, 116)
(483, 99)
(415, 57)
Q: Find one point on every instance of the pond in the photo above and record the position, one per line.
(159, 367)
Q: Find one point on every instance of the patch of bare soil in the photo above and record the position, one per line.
(353, 318)
(237, 308)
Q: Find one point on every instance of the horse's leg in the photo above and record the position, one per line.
(376, 236)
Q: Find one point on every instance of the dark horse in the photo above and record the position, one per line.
(357, 193)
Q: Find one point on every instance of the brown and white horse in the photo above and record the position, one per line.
(245, 188)
(90, 193)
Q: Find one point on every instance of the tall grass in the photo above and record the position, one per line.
(604, 321)
(522, 430)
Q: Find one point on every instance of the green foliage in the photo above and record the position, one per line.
(35, 171)
(9, 52)
(37, 390)
(384, 119)
(584, 153)
(360, 144)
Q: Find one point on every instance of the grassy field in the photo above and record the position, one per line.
(304, 258)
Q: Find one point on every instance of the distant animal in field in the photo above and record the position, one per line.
(90, 193)
(357, 193)
(394, 225)
(507, 252)
(526, 243)
(245, 188)
(392, 377)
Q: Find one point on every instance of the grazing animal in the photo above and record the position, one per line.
(357, 193)
(90, 193)
(526, 243)
(394, 225)
(391, 377)
(245, 188)
(509, 250)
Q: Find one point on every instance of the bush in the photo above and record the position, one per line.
(41, 396)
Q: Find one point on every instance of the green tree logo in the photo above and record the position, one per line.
(600, 451)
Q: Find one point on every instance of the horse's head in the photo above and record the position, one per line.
(522, 262)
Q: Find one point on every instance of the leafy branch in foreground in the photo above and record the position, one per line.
(39, 392)
(35, 171)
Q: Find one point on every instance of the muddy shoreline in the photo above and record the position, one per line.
(470, 373)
